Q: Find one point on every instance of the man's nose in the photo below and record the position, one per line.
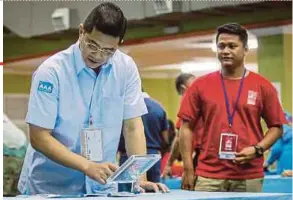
(226, 50)
(98, 56)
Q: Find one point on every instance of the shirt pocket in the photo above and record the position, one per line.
(113, 107)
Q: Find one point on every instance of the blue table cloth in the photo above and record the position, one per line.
(277, 184)
(271, 184)
(181, 195)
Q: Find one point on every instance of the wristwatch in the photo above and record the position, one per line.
(258, 151)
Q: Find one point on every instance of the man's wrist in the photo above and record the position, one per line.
(189, 170)
(84, 165)
(259, 150)
(187, 162)
(143, 178)
(260, 144)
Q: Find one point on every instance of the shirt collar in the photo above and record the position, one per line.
(79, 62)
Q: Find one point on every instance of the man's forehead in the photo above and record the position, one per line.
(94, 40)
(226, 37)
(102, 39)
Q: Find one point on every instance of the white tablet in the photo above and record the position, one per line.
(133, 168)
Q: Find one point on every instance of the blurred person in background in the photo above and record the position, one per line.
(91, 88)
(176, 169)
(171, 135)
(281, 151)
(14, 148)
(231, 103)
(156, 132)
(182, 83)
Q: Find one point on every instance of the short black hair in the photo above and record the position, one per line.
(181, 80)
(235, 29)
(107, 18)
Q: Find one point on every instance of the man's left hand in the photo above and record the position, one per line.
(155, 187)
(245, 155)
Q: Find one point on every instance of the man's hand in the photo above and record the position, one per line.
(245, 155)
(266, 167)
(287, 173)
(155, 187)
(167, 172)
(100, 172)
(188, 179)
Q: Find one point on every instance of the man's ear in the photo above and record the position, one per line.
(183, 88)
(80, 31)
(246, 51)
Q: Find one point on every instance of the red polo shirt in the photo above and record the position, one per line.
(205, 98)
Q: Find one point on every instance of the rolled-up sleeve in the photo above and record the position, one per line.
(43, 101)
(134, 105)
(190, 105)
(272, 112)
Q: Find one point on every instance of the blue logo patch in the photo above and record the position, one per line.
(45, 87)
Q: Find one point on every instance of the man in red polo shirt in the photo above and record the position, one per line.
(231, 103)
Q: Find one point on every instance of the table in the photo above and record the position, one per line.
(277, 184)
(271, 184)
(181, 195)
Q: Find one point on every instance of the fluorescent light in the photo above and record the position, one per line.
(252, 44)
(188, 67)
(214, 47)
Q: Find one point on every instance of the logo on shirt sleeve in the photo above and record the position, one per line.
(45, 87)
(251, 99)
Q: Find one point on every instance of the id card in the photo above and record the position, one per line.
(228, 145)
(92, 144)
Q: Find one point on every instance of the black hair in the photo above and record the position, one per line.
(107, 18)
(235, 29)
(181, 80)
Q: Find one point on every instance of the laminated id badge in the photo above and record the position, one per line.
(92, 144)
(228, 145)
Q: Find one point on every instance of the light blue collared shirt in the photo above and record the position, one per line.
(61, 91)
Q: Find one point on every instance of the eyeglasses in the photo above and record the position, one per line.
(95, 48)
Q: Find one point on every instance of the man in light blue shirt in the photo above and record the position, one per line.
(90, 84)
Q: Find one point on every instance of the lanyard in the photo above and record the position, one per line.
(90, 106)
(230, 117)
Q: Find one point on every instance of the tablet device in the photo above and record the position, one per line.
(133, 168)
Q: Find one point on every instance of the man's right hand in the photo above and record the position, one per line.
(100, 171)
(188, 179)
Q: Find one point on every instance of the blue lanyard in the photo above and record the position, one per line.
(230, 117)
(90, 106)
